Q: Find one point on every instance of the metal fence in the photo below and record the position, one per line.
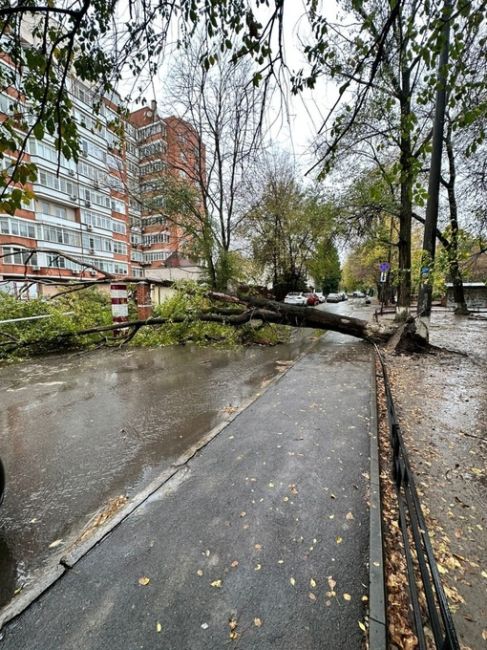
(413, 526)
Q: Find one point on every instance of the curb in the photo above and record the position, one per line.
(78, 550)
(377, 610)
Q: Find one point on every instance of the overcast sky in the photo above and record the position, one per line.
(293, 121)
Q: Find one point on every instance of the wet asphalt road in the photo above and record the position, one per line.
(266, 528)
(79, 430)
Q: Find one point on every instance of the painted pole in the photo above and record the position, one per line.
(120, 309)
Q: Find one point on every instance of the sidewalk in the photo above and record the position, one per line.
(260, 541)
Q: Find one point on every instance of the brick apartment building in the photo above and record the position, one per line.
(107, 210)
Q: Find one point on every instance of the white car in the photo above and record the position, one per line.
(295, 298)
(321, 297)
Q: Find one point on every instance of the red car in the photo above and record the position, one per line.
(312, 299)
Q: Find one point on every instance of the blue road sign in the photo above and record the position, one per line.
(384, 266)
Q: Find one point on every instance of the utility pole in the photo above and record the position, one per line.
(429, 237)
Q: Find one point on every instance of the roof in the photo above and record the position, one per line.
(176, 260)
(468, 284)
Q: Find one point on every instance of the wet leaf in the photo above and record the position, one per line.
(311, 596)
(347, 597)
(144, 581)
(257, 622)
(199, 572)
(243, 513)
(216, 583)
(331, 583)
(55, 543)
(158, 627)
(234, 564)
(312, 583)
(349, 516)
(362, 626)
(204, 626)
(292, 581)
(258, 567)
(339, 540)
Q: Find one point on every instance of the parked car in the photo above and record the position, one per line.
(343, 295)
(358, 294)
(295, 298)
(321, 297)
(334, 297)
(312, 299)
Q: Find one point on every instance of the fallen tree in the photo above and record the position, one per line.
(245, 309)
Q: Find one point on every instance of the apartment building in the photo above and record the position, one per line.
(105, 212)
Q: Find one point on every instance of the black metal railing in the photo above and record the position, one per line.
(413, 527)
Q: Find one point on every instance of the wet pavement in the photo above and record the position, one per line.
(260, 541)
(78, 430)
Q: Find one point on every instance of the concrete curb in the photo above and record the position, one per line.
(377, 610)
(78, 550)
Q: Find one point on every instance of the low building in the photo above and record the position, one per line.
(174, 268)
(475, 295)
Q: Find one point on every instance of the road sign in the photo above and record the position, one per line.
(383, 276)
(425, 270)
(384, 267)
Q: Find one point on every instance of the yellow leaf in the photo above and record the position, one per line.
(292, 581)
(159, 627)
(339, 540)
(234, 564)
(347, 597)
(349, 516)
(483, 574)
(243, 513)
(311, 596)
(199, 572)
(312, 583)
(258, 567)
(258, 546)
(257, 622)
(144, 581)
(331, 583)
(216, 583)
(362, 626)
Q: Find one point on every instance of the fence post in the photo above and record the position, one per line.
(143, 298)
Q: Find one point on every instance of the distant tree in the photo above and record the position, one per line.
(324, 266)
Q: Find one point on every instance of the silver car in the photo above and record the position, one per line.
(295, 298)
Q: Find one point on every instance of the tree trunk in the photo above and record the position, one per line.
(406, 210)
(455, 274)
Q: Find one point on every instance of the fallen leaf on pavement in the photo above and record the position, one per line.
(257, 622)
(216, 583)
(55, 543)
(144, 581)
(158, 627)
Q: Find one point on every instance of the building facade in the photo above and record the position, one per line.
(105, 212)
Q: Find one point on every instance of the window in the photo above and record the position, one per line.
(137, 256)
(137, 272)
(47, 152)
(18, 227)
(97, 220)
(55, 210)
(150, 221)
(91, 149)
(59, 235)
(118, 206)
(57, 183)
(119, 247)
(15, 255)
(156, 238)
(154, 256)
